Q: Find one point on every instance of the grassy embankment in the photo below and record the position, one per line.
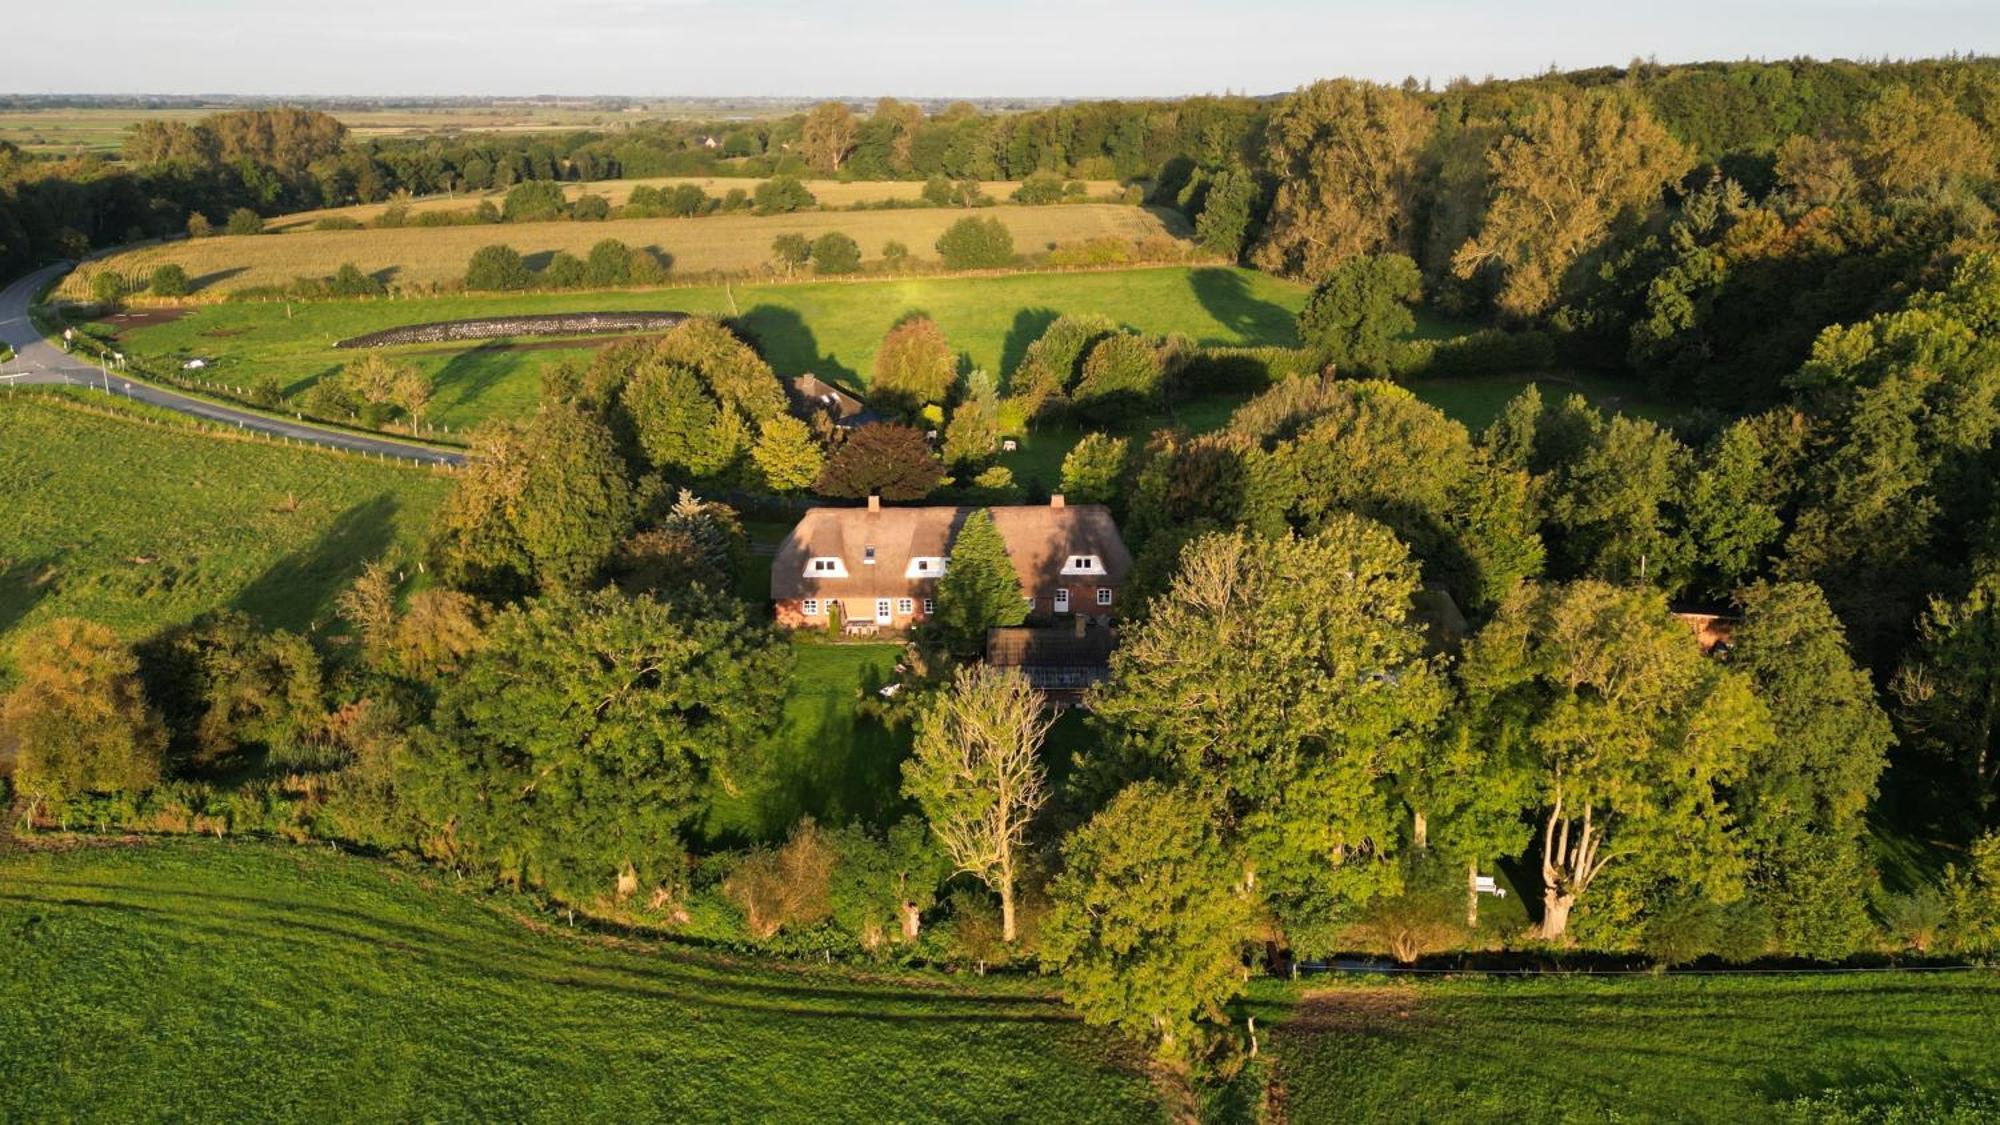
(244, 981)
(729, 244)
(142, 526)
(235, 979)
(828, 193)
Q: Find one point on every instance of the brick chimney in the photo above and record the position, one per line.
(874, 501)
(1056, 500)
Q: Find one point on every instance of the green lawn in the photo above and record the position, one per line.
(825, 761)
(1634, 1049)
(831, 328)
(237, 981)
(140, 526)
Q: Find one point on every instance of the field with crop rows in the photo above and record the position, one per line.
(829, 193)
(736, 243)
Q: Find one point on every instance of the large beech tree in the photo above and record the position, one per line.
(976, 772)
(1579, 162)
(1283, 680)
(1346, 155)
(1628, 737)
(584, 736)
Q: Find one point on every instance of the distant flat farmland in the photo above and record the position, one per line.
(830, 193)
(717, 243)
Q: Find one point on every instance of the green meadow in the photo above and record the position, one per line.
(141, 524)
(830, 328)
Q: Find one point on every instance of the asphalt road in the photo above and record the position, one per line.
(38, 362)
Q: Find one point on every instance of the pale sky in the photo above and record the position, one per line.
(936, 48)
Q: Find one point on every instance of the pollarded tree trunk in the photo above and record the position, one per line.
(1572, 856)
(1471, 894)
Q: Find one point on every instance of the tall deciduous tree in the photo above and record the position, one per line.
(1801, 803)
(980, 589)
(1629, 738)
(581, 739)
(787, 455)
(1357, 316)
(1577, 163)
(829, 136)
(976, 772)
(77, 720)
(1150, 918)
(1949, 687)
(914, 367)
(1284, 681)
(1346, 154)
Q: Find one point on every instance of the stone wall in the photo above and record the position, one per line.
(537, 324)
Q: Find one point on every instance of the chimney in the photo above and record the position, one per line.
(1056, 500)
(874, 501)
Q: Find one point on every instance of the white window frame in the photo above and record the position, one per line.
(868, 556)
(924, 566)
(1062, 600)
(1104, 595)
(905, 607)
(825, 566)
(1082, 564)
(930, 606)
(882, 614)
(810, 607)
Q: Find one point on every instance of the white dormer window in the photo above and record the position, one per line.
(825, 566)
(1083, 564)
(925, 566)
(868, 556)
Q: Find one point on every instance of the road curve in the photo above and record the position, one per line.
(36, 361)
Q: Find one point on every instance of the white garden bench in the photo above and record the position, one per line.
(1485, 885)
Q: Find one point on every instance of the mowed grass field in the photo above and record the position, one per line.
(829, 193)
(825, 761)
(1734, 1049)
(142, 526)
(831, 328)
(235, 980)
(735, 243)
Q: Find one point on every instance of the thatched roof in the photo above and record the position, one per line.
(1039, 540)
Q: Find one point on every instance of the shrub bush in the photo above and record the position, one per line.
(974, 244)
(244, 221)
(1121, 377)
(1489, 351)
(169, 280)
(1040, 189)
(497, 267)
(535, 201)
(782, 195)
(835, 253)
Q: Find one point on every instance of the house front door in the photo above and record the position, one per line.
(882, 615)
(1062, 601)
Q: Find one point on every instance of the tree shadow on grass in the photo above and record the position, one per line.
(23, 585)
(1029, 324)
(298, 591)
(467, 376)
(785, 341)
(197, 284)
(1225, 294)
